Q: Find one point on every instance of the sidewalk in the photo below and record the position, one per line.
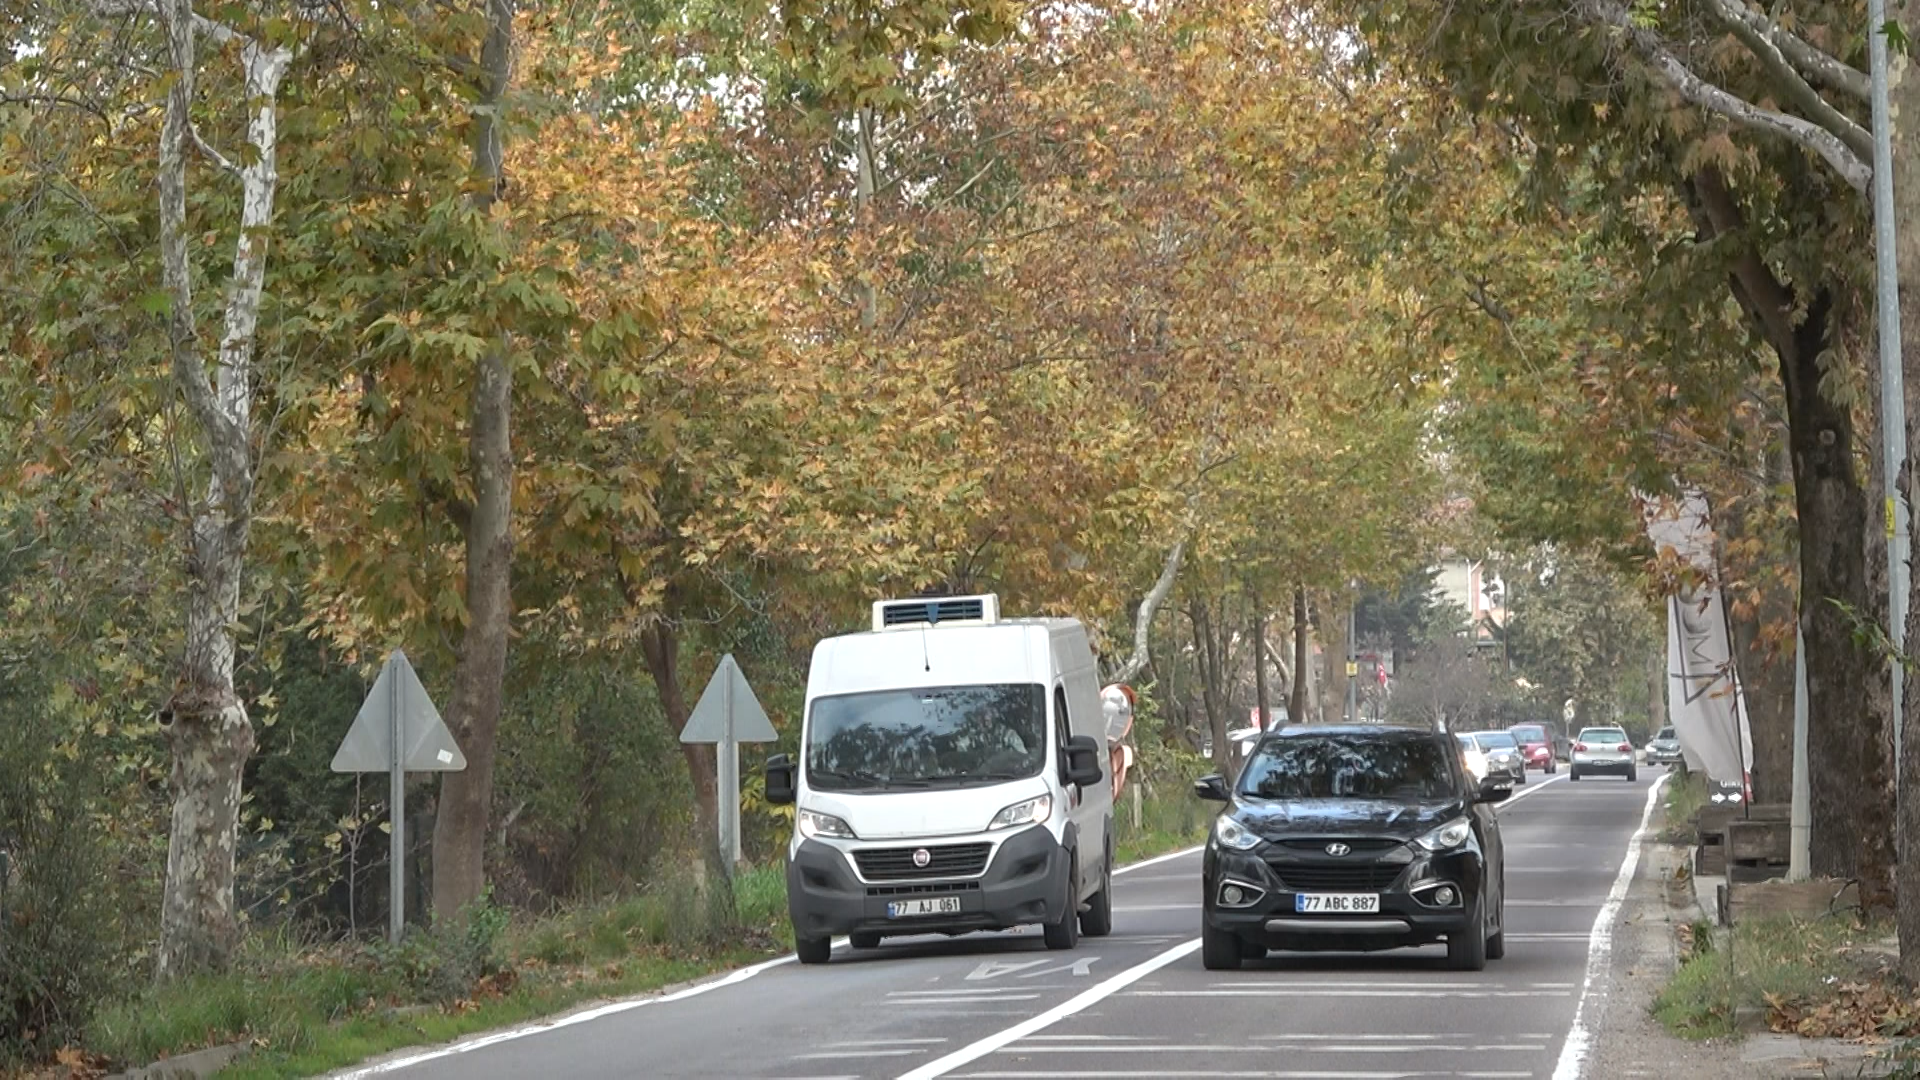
(1627, 1040)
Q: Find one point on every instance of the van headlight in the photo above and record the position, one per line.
(1448, 836)
(1028, 812)
(812, 823)
(1232, 834)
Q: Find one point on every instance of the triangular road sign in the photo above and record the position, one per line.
(425, 743)
(728, 692)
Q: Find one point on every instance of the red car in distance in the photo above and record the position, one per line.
(1541, 745)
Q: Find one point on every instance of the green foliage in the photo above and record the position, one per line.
(1805, 962)
(443, 963)
(59, 936)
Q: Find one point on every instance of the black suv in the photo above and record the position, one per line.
(1353, 838)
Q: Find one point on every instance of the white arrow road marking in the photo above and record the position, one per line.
(993, 969)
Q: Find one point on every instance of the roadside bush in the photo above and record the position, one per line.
(444, 963)
(57, 925)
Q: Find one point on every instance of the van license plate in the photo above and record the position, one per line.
(930, 905)
(1340, 903)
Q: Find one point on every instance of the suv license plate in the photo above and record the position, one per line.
(931, 905)
(1341, 903)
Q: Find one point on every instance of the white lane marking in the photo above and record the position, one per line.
(984, 993)
(1092, 995)
(1327, 1048)
(1296, 989)
(587, 1016)
(891, 1000)
(1214, 1074)
(1156, 860)
(1573, 1052)
(1531, 789)
(1190, 906)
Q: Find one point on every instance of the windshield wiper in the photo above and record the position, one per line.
(948, 778)
(860, 776)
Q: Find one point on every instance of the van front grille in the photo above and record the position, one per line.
(943, 861)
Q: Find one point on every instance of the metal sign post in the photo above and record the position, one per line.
(397, 730)
(727, 715)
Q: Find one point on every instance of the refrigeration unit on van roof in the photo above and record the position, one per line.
(924, 612)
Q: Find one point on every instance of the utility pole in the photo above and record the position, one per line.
(1893, 410)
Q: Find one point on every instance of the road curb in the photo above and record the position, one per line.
(195, 1066)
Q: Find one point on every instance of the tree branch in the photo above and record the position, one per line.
(206, 148)
(1734, 13)
(1823, 67)
(1856, 171)
(1143, 620)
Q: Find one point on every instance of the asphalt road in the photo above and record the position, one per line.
(1138, 1003)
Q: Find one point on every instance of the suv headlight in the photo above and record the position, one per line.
(812, 823)
(1448, 836)
(1232, 834)
(1029, 812)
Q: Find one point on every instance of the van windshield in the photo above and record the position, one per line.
(950, 736)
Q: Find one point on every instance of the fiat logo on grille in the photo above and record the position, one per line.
(921, 857)
(1338, 849)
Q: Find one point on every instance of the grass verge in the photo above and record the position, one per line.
(312, 1010)
(309, 1011)
(1686, 794)
(1816, 976)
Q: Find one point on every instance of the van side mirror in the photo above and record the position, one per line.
(1083, 761)
(780, 780)
(1212, 788)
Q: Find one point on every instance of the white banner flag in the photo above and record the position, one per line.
(1705, 703)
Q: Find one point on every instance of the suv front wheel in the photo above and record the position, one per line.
(1219, 949)
(1467, 949)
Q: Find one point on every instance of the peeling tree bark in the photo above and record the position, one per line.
(463, 821)
(207, 724)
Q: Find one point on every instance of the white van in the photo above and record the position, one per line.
(949, 780)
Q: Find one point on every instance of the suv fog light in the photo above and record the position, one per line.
(1232, 894)
(1443, 895)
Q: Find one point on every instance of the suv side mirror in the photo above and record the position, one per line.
(780, 780)
(1490, 793)
(1083, 761)
(1212, 788)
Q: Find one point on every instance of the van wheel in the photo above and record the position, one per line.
(1097, 920)
(1219, 949)
(1065, 933)
(813, 950)
(864, 941)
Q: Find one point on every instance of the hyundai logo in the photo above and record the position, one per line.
(1338, 849)
(921, 857)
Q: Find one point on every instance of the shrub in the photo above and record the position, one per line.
(57, 924)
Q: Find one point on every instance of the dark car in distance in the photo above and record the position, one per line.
(1353, 838)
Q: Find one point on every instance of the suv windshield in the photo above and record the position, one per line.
(1347, 767)
(952, 736)
(1495, 740)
